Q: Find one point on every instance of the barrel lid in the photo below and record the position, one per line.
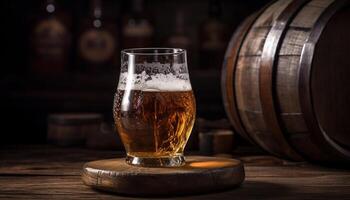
(75, 118)
(330, 83)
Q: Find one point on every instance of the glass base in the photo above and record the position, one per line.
(173, 161)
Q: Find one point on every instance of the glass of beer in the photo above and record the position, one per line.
(154, 106)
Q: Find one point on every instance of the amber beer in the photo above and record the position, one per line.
(154, 106)
(154, 124)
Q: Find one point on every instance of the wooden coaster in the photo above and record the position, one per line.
(199, 175)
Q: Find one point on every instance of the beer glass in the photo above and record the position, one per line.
(154, 106)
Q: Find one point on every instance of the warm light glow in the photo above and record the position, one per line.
(210, 164)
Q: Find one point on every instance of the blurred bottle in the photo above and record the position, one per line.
(137, 28)
(50, 40)
(97, 41)
(213, 36)
(179, 39)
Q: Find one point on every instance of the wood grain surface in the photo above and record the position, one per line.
(247, 85)
(199, 175)
(228, 79)
(45, 172)
(291, 85)
(267, 73)
(331, 63)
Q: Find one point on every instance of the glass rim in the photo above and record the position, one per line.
(143, 51)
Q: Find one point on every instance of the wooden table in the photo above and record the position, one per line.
(46, 172)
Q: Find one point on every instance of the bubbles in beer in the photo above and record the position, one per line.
(154, 123)
(156, 76)
(154, 109)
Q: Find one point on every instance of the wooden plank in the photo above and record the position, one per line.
(257, 117)
(294, 41)
(266, 177)
(269, 102)
(228, 74)
(255, 41)
(48, 160)
(320, 3)
(309, 14)
(247, 84)
(271, 13)
(266, 186)
(287, 87)
(294, 122)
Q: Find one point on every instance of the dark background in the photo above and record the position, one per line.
(27, 99)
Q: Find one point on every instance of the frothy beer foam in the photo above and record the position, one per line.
(157, 82)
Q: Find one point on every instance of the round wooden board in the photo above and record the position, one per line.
(199, 175)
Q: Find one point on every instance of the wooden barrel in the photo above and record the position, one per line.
(286, 79)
